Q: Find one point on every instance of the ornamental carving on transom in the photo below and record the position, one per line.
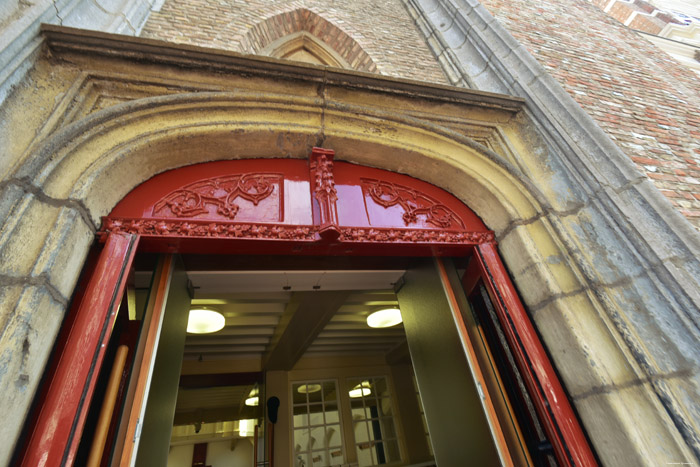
(414, 204)
(322, 171)
(306, 233)
(223, 197)
(323, 185)
(207, 229)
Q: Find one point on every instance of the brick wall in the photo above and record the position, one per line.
(640, 96)
(384, 30)
(643, 99)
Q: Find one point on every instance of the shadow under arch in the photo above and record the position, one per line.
(272, 33)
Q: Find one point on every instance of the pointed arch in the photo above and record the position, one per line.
(301, 28)
(305, 47)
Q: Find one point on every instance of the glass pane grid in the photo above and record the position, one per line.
(318, 437)
(375, 435)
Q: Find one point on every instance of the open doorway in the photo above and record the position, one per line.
(298, 333)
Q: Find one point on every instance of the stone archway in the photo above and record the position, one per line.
(67, 181)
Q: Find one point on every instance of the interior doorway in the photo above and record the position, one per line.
(307, 329)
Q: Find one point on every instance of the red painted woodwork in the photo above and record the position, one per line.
(198, 192)
(222, 197)
(569, 442)
(318, 206)
(416, 206)
(325, 194)
(57, 432)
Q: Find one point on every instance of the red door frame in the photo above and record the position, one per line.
(551, 404)
(194, 210)
(59, 425)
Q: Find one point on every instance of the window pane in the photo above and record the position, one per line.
(386, 408)
(301, 420)
(319, 458)
(391, 451)
(333, 437)
(332, 413)
(301, 440)
(302, 460)
(315, 393)
(329, 391)
(319, 443)
(298, 397)
(372, 414)
(361, 432)
(315, 414)
(388, 429)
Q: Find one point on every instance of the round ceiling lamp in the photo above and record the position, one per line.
(204, 321)
(308, 388)
(384, 318)
(361, 390)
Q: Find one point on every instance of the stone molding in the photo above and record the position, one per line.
(20, 39)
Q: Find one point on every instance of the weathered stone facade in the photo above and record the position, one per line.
(607, 269)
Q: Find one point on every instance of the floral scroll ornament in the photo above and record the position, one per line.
(413, 203)
(221, 193)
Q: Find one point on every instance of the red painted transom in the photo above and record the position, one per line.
(300, 200)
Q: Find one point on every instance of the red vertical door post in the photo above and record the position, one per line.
(56, 434)
(570, 444)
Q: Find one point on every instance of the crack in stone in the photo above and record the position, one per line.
(321, 136)
(40, 281)
(518, 223)
(58, 14)
(547, 211)
(553, 298)
(651, 379)
(74, 204)
(593, 285)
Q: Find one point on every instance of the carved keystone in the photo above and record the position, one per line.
(323, 189)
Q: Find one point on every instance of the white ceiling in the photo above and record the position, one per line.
(209, 283)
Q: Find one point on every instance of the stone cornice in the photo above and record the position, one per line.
(70, 40)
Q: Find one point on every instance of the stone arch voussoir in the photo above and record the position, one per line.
(95, 162)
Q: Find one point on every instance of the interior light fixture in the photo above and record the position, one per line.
(246, 428)
(253, 399)
(361, 390)
(204, 321)
(308, 388)
(384, 318)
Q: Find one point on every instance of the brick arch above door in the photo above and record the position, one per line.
(271, 31)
